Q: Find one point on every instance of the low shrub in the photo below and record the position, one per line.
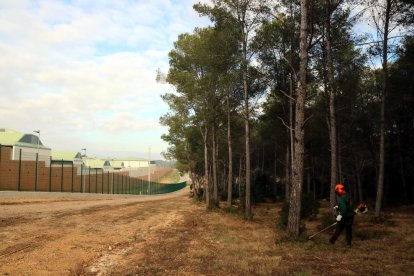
(232, 210)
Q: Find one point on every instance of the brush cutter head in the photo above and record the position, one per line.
(361, 209)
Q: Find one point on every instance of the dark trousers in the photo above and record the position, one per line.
(345, 223)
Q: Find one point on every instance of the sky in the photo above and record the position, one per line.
(83, 71)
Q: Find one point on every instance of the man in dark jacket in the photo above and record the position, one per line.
(345, 217)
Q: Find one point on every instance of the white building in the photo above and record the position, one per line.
(28, 145)
(133, 162)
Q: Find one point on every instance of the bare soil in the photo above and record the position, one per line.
(173, 235)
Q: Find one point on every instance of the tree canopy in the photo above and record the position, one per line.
(278, 98)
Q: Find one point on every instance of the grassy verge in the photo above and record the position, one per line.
(172, 176)
(223, 243)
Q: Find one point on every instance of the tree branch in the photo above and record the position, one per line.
(284, 123)
(288, 96)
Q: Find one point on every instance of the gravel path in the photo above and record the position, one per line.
(23, 203)
(81, 234)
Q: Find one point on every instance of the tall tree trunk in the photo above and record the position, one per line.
(214, 164)
(340, 174)
(287, 173)
(298, 172)
(240, 174)
(275, 178)
(275, 162)
(381, 165)
(331, 100)
(206, 172)
(292, 80)
(400, 158)
(291, 136)
(248, 211)
(358, 178)
(223, 182)
(230, 177)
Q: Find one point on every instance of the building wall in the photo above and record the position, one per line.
(135, 163)
(66, 178)
(29, 154)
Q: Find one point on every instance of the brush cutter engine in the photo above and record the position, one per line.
(361, 209)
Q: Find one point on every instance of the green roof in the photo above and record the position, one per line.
(65, 155)
(9, 137)
(94, 162)
(116, 164)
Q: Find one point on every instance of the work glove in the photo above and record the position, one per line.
(338, 218)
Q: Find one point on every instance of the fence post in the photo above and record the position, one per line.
(50, 174)
(89, 177)
(72, 178)
(36, 172)
(20, 169)
(81, 184)
(61, 178)
(102, 182)
(96, 180)
(0, 161)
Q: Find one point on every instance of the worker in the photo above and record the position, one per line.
(345, 215)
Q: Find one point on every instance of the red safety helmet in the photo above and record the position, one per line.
(340, 189)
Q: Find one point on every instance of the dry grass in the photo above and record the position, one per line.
(177, 236)
(172, 176)
(221, 243)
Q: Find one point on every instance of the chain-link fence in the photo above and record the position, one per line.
(30, 171)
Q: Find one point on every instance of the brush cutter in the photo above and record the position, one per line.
(361, 209)
(330, 226)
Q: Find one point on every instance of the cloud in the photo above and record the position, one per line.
(84, 71)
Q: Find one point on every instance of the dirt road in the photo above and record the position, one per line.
(75, 234)
(69, 234)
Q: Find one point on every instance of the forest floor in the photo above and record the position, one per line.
(174, 235)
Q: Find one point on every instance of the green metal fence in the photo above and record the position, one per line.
(62, 176)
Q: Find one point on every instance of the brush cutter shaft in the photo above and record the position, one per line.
(333, 224)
